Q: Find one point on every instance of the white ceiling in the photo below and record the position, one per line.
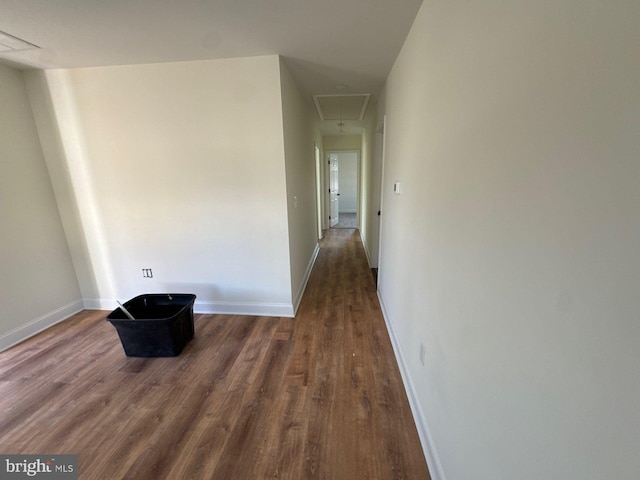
(330, 46)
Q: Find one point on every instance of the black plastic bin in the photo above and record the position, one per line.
(162, 327)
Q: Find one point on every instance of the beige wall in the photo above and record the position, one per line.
(371, 169)
(341, 142)
(301, 132)
(511, 255)
(38, 285)
(175, 167)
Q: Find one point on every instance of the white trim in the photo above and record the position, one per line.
(317, 154)
(208, 307)
(365, 102)
(307, 274)
(366, 250)
(327, 197)
(245, 308)
(212, 307)
(428, 447)
(318, 108)
(29, 329)
(382, 206)
(100, 304)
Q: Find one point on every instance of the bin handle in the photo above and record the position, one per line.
(125, 310)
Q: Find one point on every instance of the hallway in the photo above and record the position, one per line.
(347, 220)
(318, 396)
(351, 364)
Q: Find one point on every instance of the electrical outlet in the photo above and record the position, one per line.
(422, 353)
(147, 273)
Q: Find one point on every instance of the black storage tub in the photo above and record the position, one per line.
(162, 327)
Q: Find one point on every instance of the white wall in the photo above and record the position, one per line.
(512, 252)
(175, 167)
(300, 135)
(371, 170)
(341, 142)
(37, 283)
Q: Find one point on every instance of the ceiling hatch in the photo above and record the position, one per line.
(342, 107)
(9, 43)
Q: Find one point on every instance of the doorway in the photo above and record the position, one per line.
(344, 189)
(319, 189)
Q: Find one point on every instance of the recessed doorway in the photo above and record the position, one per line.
(344, 189)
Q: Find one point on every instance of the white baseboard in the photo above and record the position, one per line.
(426, 440)
(211, 307)
(307, 274)
(39, 324)
(366, 250)
(99, 304)
(245, 308)
(232, 308)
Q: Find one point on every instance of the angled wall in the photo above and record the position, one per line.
(38, 285)
(300, 133)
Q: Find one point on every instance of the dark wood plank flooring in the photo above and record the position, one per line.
(315, 397)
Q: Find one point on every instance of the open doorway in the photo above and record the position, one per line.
(344, 189)
(319, 188)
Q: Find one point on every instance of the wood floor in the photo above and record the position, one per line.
(315, 397)
(347, 220)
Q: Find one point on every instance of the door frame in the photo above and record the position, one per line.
(333, 192)
(325, 191)
(383, 137)
(319, 188)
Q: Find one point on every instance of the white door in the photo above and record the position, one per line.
(334, 193)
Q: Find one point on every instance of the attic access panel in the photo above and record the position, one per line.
(342, 107)
(9, 43)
